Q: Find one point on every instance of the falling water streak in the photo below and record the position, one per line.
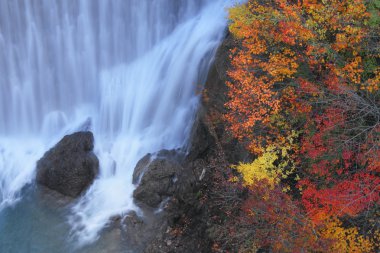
(131, 66)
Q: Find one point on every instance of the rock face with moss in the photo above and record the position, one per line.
(70, 166)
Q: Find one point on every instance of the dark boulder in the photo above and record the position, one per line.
(70, 166)
(202, 141)
(161, 176)
(140, 168)
(157, 183)
(142, 165)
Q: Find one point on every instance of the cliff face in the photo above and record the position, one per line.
(189, 219)
(177, 190)
(214, 98)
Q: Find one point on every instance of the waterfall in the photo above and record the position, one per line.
(132, 68)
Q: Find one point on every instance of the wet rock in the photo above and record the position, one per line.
(202, 140)
(169, 189)
(140, 168)
(70, 166)
(162, 177)
(175, 156)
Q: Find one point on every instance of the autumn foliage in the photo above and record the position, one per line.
(304, 97)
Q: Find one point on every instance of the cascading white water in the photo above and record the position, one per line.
(130, 66)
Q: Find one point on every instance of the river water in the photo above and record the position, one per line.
(128, 70)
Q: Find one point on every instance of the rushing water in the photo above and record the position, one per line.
(128, 69)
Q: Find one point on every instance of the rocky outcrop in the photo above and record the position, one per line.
(214, 99)
(180, 183)
(202, 140)
(168, 189)
(70, 166)
(158, 182)
(174, 156)
(163, 176)
(171, 183)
